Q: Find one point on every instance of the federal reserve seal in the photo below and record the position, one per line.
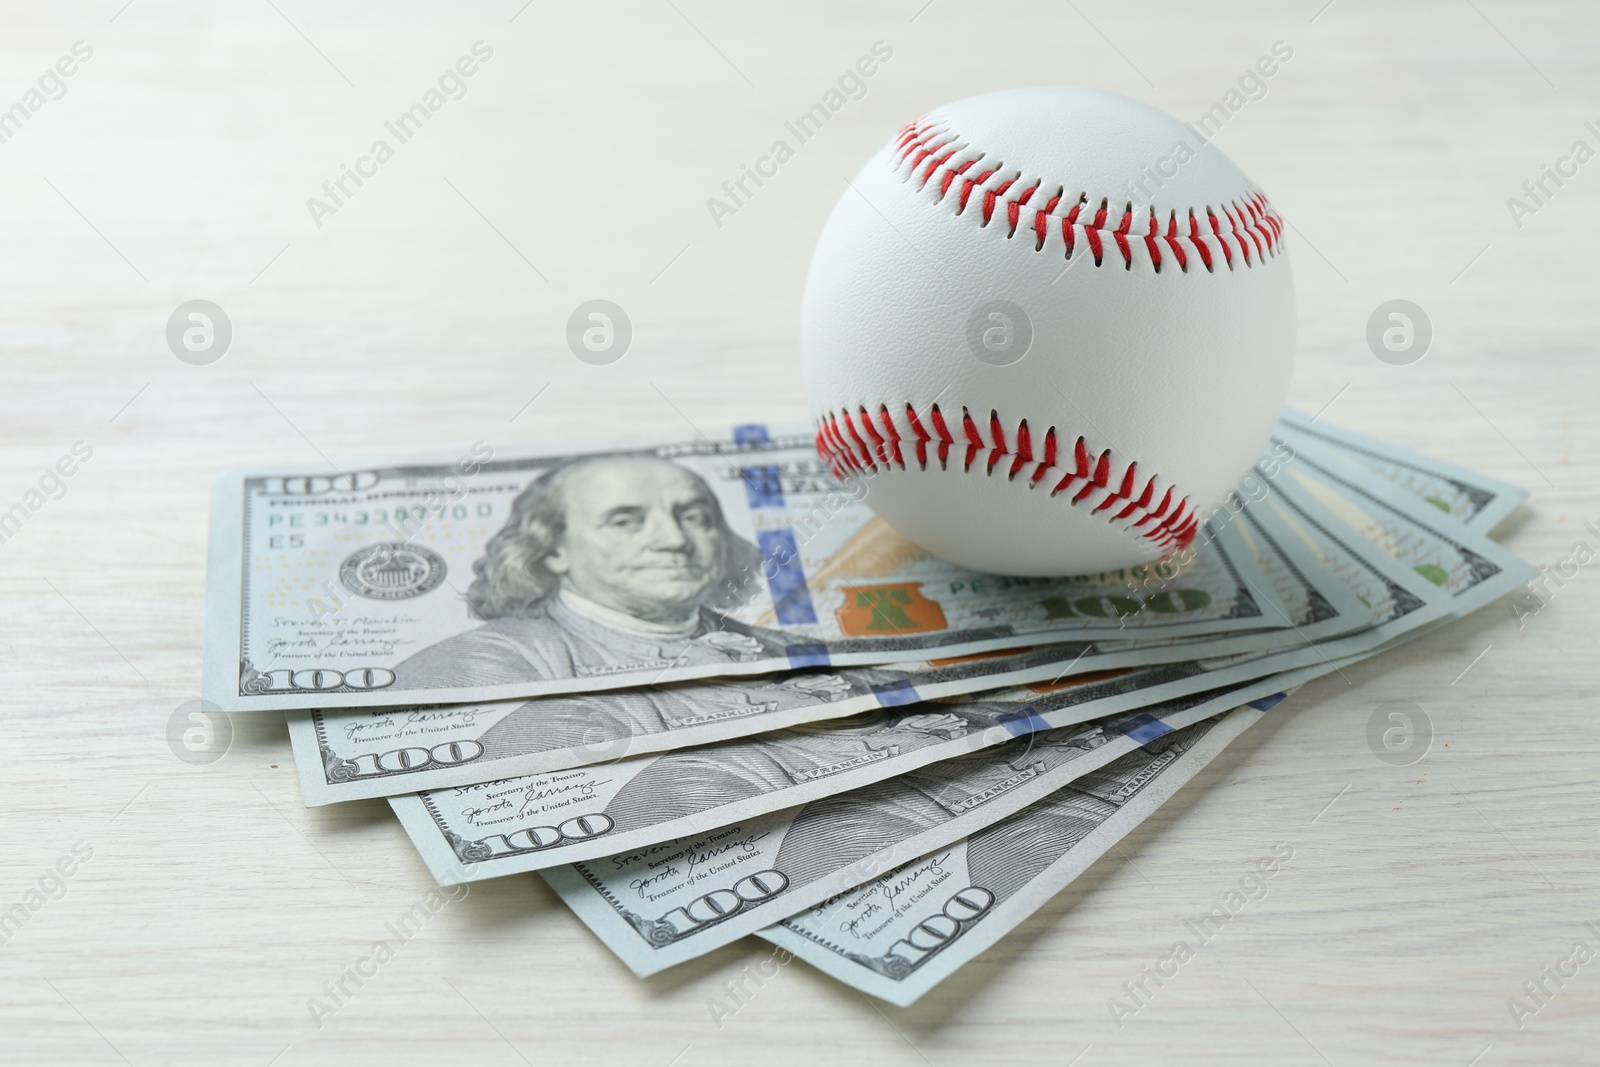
(391, 570)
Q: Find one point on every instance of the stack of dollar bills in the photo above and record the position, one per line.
(705, 693)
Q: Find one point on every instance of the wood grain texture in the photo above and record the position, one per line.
(429, 310)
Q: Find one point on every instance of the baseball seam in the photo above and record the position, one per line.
(927, 148)
(850, 443)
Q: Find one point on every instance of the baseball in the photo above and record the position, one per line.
(1051, 328)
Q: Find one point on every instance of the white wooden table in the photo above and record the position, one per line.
(428, 311)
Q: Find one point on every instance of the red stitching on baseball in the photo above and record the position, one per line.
(974, 439)
(892, 434)
(930, 149)
(945, 440)
(1049, 456)
(1123, 494)
(1024, 449)
(877, 442)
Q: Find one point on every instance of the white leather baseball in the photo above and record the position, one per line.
(1151, 275)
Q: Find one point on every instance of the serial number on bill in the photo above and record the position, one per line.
(378, 516)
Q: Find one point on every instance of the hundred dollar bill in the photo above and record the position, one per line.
(659, 906)
(535, 821)
(1404, 605)
(1472, 498)
(355, 753)
(1463, 562)
(347, 754)
(492, 577)
(648, 909)
(544, 820)
(1405, 602)
(359, 753)
(902, 933)
(1402, 596)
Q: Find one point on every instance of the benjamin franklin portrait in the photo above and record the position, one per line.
(606, 564)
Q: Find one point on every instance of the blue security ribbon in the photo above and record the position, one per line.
(808, 655)
(1144, 727)
(1024, 721)
(894, 694)
(786, 577)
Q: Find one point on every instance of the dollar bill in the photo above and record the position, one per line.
(535, 821)
(884, 937)
(902, 933)
(355, 754)
(1463, 562)
(659, 906)
(1472, 498)
(352, 753)
(1404, 604)
(509, 577)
